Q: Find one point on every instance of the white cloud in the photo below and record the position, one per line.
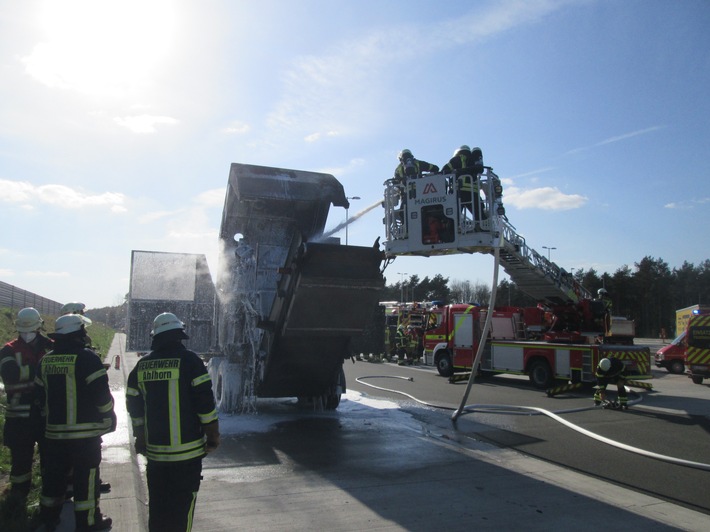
(144, 123)
(36, 273)
(317, 136)
(153, 216)
(545, 198)
(27, 194)
(687, 205)
(5, 272)
(237, 128)
(106, 48)
(320, 89)
(616, 138)
(211, 198)
(352, 165)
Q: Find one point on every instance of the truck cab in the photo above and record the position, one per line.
(672, 356)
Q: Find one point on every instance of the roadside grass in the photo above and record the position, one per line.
(15, 517)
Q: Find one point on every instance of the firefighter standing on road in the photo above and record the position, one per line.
(611, 371)
(170, 401)
(76, 307)
(72, 386)
(23, 427)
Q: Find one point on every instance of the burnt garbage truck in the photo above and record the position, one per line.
(288, 300)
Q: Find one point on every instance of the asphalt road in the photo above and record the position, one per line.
(672, 420)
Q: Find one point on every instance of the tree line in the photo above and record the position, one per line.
(649, 294)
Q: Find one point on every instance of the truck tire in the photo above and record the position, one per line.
(332, 398)
(540, 374)
(697, 379)
(444, 365)
(676, 367)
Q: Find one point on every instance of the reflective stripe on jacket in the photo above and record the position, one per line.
(73, 386)
(169, 397)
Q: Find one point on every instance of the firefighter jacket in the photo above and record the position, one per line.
(465, 162)
(18, 367)
(413, 170)
(617, 369)
(169, 398)
(72, 386)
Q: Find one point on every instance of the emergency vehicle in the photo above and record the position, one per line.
(690, 349)
(523, 341)
(562, 339)
(410, 319)
(698, 346)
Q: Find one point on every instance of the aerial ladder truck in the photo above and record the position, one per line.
(558, 343)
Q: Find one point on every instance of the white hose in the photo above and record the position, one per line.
(532, 410)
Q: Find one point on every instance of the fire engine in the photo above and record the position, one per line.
(560, 340)
(697, 341)
(528, 341)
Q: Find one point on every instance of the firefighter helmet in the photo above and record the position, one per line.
(72, 308)
(405, 153)
(167, 321)
(69, 323)
(461, 149)
(28, 320)
(602, 292)
(604, 364)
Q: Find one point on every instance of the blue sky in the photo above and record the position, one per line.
(119, 120)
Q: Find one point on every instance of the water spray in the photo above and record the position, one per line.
(350, 220)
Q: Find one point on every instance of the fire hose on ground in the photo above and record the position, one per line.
(532, 411)
(529, 410)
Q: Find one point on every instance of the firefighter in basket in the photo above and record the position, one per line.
(611, 371)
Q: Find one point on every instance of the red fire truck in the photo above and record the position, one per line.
(562, 339)
(524, 341)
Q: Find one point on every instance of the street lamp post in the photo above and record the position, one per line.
(347, 218)
(401, 285)
(548, 252)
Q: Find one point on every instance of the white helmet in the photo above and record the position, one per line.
(28, 320)
(72, 308)
(404, 153)
(167, 321)
(461, 149)
(602, 292)
(70, 323)
(604, 364)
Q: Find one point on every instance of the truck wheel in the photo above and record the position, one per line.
(540, 374)
(444, 365)
(697, 379)
(332, 399)
(677, 367)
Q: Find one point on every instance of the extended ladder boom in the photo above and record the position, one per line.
(434, 215)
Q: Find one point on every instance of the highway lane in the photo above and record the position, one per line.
(672, 420)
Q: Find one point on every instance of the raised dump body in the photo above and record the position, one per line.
(288, 305)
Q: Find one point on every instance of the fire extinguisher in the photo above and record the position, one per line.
(117, 361)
